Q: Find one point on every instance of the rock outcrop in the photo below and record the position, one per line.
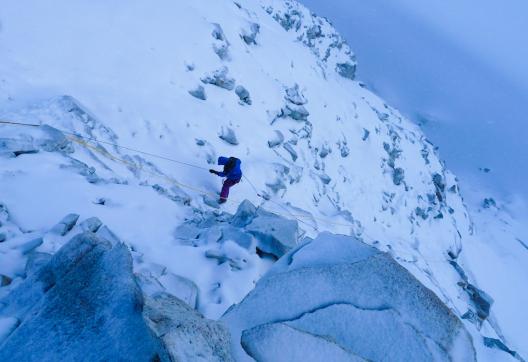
(84, 303)
(338, 297)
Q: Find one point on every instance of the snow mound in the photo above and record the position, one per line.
(337, 289)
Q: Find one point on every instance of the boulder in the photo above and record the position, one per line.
(243, 94)
(105, 233)
(220, 79)
(91, 224)
(245, 213)
(275, 235)
(198, 92)
(250, 35)
(180, 287)
(289, 148)
(294, 95)
(346, 70)
(221, 44)
(338, 289)
(35, 261)
(66, 224)
(187, 335)
(296, 112)
(280, 342)
(398, 175)
(228, 134)
(84, 304)
(56, 141)
(276, 140)
(243, 239)
(29, 246)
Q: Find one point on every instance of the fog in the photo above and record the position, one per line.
(459, 69)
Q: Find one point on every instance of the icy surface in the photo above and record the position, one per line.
(83, 304)
(359, 298)
(280, 342)
(319, 151)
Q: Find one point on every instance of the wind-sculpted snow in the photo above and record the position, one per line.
(339, 289)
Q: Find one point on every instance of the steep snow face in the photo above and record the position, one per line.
(265, 81)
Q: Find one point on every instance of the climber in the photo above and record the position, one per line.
(231, 172)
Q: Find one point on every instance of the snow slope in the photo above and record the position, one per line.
(317, 145)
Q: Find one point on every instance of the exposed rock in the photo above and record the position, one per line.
(82, 169)
(7, 325)
(56, 141)
(4, 213)
(244, 215)
(66, 224)
(488, 203)
(276, 140)
(275, 235)
(366, 134)
(29, 246)
(481, 300)
(5, 280)
(325, 151)
(187, 335)
(243, 239)
(288, 147)
(187, 231)
(280, 342)
(221, 45)
(243, 94)
(335, 288)
(220, 78)
(223, 257)
(325, 178)
(498, 344)
(91, 224)
(228, 134)
(294, 95)
(17, 147)
(346, 70)
(250, 35)
(398, 174)
(86, 287)
(439, 184)
(106, 234)
(180, 287)
(35, 261)
(298, 113)
(198, 92)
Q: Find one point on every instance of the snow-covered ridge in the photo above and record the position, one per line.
(256, 80)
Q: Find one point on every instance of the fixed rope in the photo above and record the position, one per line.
(83, 141)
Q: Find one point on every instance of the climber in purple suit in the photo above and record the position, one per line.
(231, 172)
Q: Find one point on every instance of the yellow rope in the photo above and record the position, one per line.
(83, 141)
